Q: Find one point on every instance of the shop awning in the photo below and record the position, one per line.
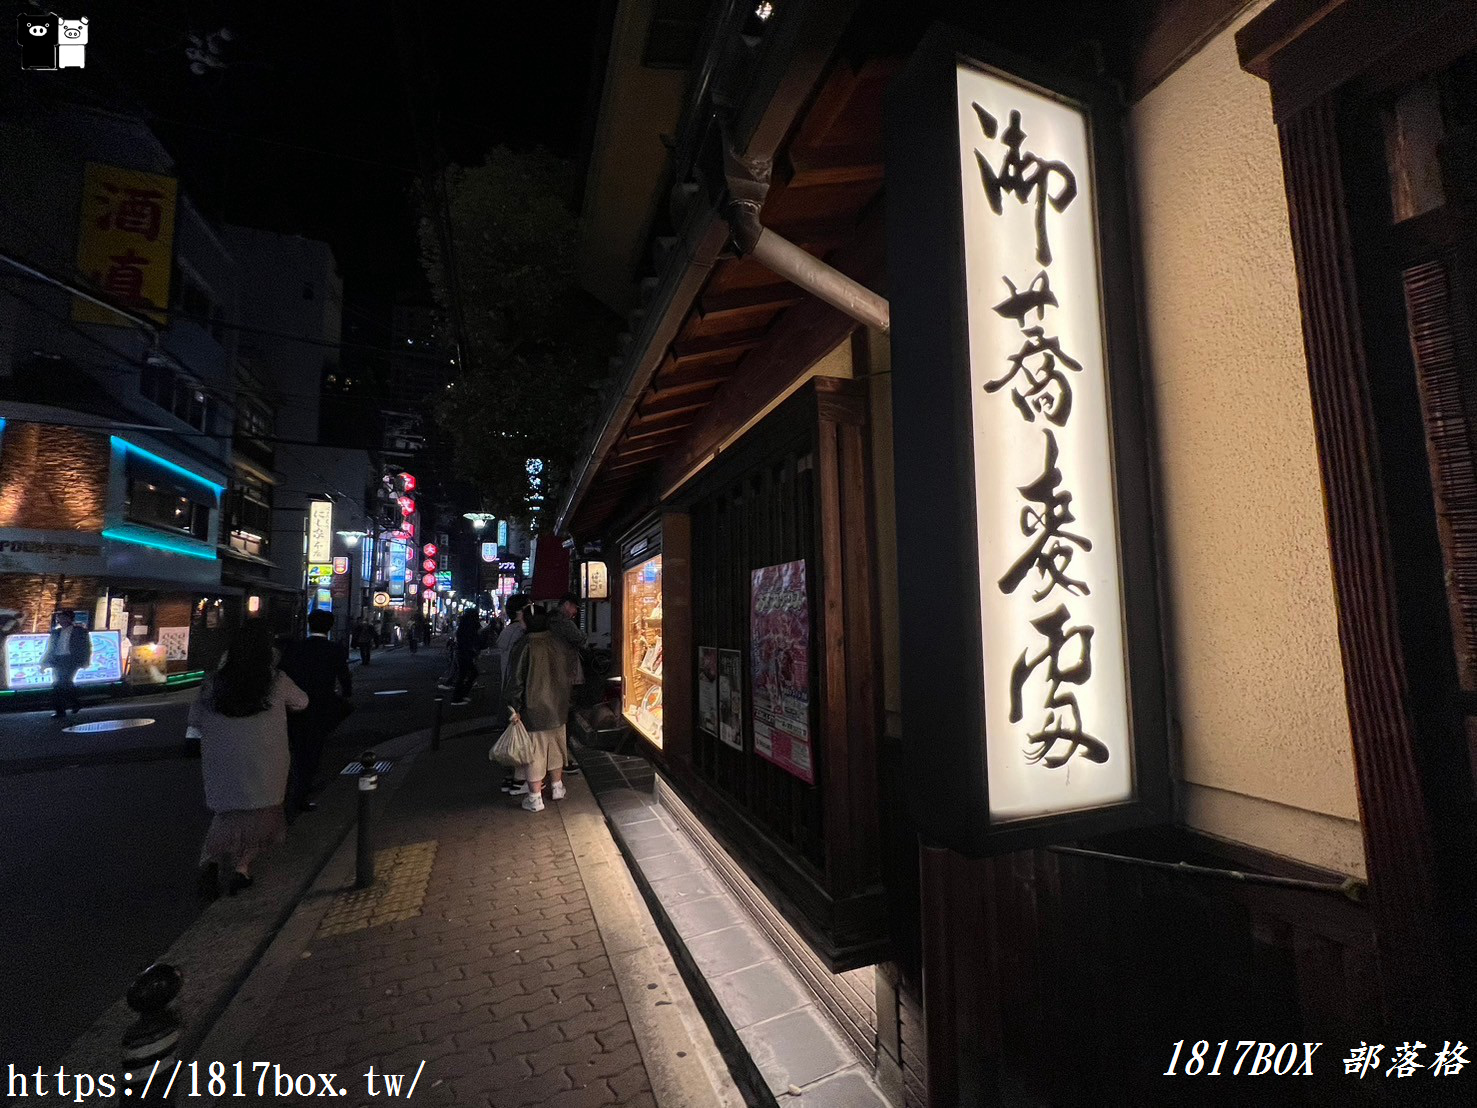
(550, 570)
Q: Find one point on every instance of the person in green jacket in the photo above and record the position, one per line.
(538, 692)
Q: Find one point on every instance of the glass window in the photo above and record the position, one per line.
(155, 505)
(642, 657)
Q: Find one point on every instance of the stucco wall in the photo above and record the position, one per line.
(1253, 643)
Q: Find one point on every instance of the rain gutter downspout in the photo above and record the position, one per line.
(783, 258)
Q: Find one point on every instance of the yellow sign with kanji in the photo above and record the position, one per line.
(125, 246)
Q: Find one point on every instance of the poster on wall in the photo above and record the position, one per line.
(731, 698)
(779, 673)
(707, 689)
(176, 643)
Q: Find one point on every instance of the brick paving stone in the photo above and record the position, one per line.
(501, 983)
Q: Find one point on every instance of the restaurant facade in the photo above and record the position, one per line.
(1034, 496)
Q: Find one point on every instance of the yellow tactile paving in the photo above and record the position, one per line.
(401, 875)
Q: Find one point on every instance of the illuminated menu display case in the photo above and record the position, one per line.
(641, 664)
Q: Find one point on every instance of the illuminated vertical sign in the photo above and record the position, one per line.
(1051, 610)
(1019, 437)
(489, 552)
(125, 245)
(397, 558)
(320, 531)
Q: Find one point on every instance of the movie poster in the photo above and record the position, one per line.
(731, 698)
(779, 675)
(707, 689)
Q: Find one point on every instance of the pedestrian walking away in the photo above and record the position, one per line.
(539, 694)
(365, 640)
(320, 667)
(468, 642)
(240, 715)
(68, 650)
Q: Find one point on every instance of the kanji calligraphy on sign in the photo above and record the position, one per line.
(1051, 610)
(126, 241)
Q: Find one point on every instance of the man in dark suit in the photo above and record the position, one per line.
(69, 650)
(316, 665)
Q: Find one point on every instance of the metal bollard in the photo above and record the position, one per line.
(368, 782)
(436, 723)
(149, 1045)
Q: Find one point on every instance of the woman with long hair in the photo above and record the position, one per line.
(240, 714)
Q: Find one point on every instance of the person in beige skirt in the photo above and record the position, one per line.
(538, 692)
(240, 715)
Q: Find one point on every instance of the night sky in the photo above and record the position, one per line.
(310, 129)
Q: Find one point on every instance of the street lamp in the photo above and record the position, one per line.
(351, 538)
(479, 519)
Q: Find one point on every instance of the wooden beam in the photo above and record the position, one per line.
(748, 302)
(672, 406)
(711, 348)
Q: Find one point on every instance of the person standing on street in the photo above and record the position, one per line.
(320, 667)
(69, 649)
(240, 714)
(468, 642)
(538, 693)
(563, 626)
(507, 641)
(364, 639)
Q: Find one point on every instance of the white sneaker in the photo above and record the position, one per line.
(557, 791)
(533, 803)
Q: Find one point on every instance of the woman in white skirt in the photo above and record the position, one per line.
(241, 717)
(538, 692)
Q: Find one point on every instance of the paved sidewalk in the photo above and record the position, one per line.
(505, 950)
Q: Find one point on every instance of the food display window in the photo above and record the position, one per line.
(642, 657)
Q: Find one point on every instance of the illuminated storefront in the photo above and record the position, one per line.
(120, 533)
(641, 649)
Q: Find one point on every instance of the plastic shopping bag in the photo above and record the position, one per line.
(514, 747)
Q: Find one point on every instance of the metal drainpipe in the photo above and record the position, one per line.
(789, 261)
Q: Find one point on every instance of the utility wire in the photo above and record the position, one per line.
(266, 394)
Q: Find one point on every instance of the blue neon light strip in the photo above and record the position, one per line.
(161, 542)
(125, 445)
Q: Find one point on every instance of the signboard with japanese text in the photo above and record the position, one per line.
(24, 670)
(779, 667)
(340, 566)
(125, 243)
(489, 552)
(396, 566)
(1018, 433)
(320, 532)
(595, 581)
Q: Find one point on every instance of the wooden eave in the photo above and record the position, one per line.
(824, 195)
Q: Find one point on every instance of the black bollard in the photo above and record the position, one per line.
(149, 1044)
(436, 724)
(368, 782)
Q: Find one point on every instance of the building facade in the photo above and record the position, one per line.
(157, 466)
(1070, 646)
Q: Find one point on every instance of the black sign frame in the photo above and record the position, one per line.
(938, 558)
